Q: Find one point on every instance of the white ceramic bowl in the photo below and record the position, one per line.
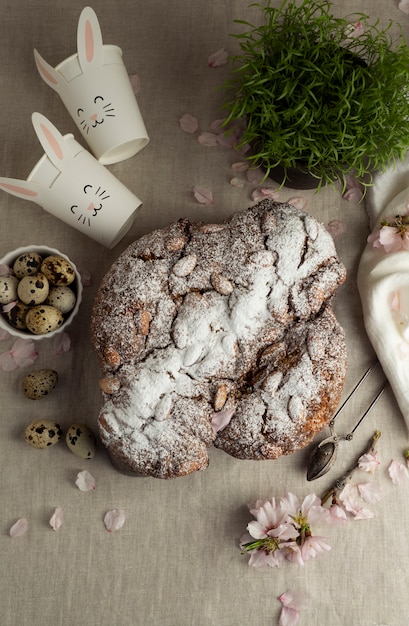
(43, 251)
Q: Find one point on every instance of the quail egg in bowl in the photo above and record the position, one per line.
(40, 292)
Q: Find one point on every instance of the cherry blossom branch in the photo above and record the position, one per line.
(339, 484)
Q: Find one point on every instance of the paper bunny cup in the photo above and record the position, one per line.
(95, 88)
(72, 185)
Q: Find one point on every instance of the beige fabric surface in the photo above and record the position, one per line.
(176, 561)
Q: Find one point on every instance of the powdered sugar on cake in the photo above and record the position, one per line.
(236, 313)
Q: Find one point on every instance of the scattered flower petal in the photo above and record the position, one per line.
(398, 472)
(353, 195)
(85, 481)
(369, 462)
(135, 82)
(217, 126)
(263, 193)
(85, 275)
(62, 343)
(202, 195)
(19, 528)
(298, 203)
(57, 519)
(255, 175)
(370, 492)
(221, 419)
(292, 603)
(337, 515)
(228, 140)
(114, 520)
(188, 123)
(336, 228)
(208, 139)
(5, 270)
(240, 166)
(236, 182)
(404, 6)
(218, 58)
(21, 354)
(9, 307)
(353, 31)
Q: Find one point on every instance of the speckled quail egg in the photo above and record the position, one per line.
(33, 289)
(81, 441)
(27, 264)
(16, 317)
(58, 270)
(40, 383)
(43, 319)
(8, 289)
(62, 298)
(43, 433)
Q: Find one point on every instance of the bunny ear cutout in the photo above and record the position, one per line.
(21, 188)
(48, 73)
(89, 40)
(54, 144)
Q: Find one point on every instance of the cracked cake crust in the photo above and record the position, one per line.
(195, 319)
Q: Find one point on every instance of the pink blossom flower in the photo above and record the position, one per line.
(369, 462)
(21, 354)
(390, 238)
(218, 58)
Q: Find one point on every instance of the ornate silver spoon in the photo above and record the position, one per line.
(324, 454)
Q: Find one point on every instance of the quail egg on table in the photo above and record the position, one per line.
(40, 383)
(27, 264)
(43, 433)
(58, 270)
(8, 289)
(81, 441)
(33, 289)
(43, 319)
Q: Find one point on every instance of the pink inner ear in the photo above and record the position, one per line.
(46, 73)
(89, 41)
(55, 146)
(17, 189)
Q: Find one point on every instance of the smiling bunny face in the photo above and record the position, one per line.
(95, 88)
(97, 113)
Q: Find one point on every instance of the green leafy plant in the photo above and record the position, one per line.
(325, 95)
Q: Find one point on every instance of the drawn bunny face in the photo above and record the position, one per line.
(90, 206)
(93, 116)
(71, 184)
(95, 88)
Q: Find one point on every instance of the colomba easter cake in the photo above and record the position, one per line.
(219, 334)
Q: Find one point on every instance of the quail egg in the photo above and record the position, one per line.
(27, 264)
(43, 319)
(40, 383)
(62, 298)
(8, 289)
(43, 433)
(81, 441)
(33, 289)
(58, 270)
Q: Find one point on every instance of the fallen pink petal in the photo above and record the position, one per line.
(19, 528)
(62, 343)
(370, 492)
(255, 176)
(218, 58)
(217, 126)
(221, 419)
(86, 278)
(202, 195)
(292, 603)
(263, 193)
(9, 307)
(5, 270)
(398, 472)
(188, 123)
(404, 6)
(114, 520)
(85, 481)
(21, 354)
(57, 519)
(298, 202)
(135, 82)
(336, 228)
(3, 334)
(337, 515)
(353, 195)
(208, 139)
(236, 182)
(369, 462)
(240, 166)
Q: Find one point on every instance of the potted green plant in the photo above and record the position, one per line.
(320, 95)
